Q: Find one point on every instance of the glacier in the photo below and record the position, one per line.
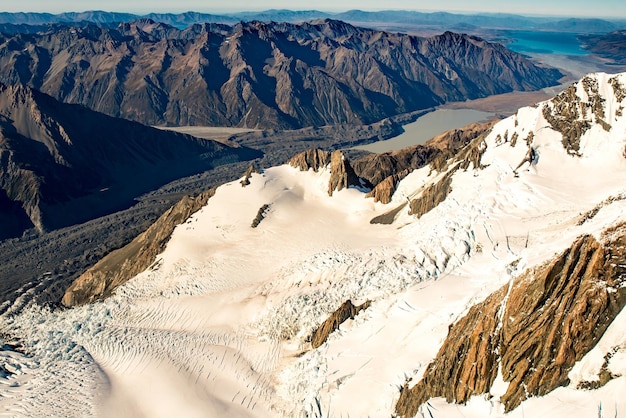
(218, 326)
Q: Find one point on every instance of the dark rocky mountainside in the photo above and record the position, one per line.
(611, 45)
(260, 75)
(533, 329)
(62, 164)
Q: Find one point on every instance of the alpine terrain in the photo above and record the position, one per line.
(491, 281)
(260, 75)
(62, 164)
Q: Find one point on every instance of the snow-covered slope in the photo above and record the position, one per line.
(219, 325)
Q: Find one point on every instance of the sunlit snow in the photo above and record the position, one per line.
(218, 326)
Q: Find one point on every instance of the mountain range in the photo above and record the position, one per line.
(62, 164)
(410, 17)
(261, 75)
(495, 285)
(481, 274)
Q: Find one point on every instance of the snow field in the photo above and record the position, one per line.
(218, 326)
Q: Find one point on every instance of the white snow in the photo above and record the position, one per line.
(219, 326)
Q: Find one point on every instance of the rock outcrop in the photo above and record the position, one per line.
(432, 196)
(534, 329)
(342, 174)
(310, 159)
(260, 75)
(383, 191)
(260, 215)
(385, 170)
(123, 264)
(572, 116)
(248, 174)
(377, 167)
(346, 311)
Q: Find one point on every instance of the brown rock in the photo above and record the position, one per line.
(310, 159)
(432, 196)
(248, 174)
(383, 171)
(383, 192)
(341, 173)
(122, 264)
(346, 311)
(548, 319)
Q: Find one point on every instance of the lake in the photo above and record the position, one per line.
(536, 42)
(428, 126)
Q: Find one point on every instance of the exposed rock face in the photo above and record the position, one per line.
(62, 164)
(342, 174)
(385, 170)
(346, 311)
(260, 215)
(123, 264)
(572, 116)
(260, 75)
(377, 167)
(383, 192)
(432, 196)
(534, 329)
(456, 139)
(311, 159)
(248, 174)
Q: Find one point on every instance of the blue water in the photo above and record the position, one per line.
(533, 42)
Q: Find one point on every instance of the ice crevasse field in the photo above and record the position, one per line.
(219, 325)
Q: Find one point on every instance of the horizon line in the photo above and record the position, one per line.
(234, 13)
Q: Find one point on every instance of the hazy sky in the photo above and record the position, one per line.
(600, 8)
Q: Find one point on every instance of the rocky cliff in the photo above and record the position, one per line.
(342, 174)
(260, 75)
(62, 164)
(311, 159)
(123, 264)
(532, 330)
(385, 170)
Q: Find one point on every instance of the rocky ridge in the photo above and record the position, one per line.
(533, 330)
(120, 265)
(385, 170)
(342, 174)
(260, 75)
(346, 311)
